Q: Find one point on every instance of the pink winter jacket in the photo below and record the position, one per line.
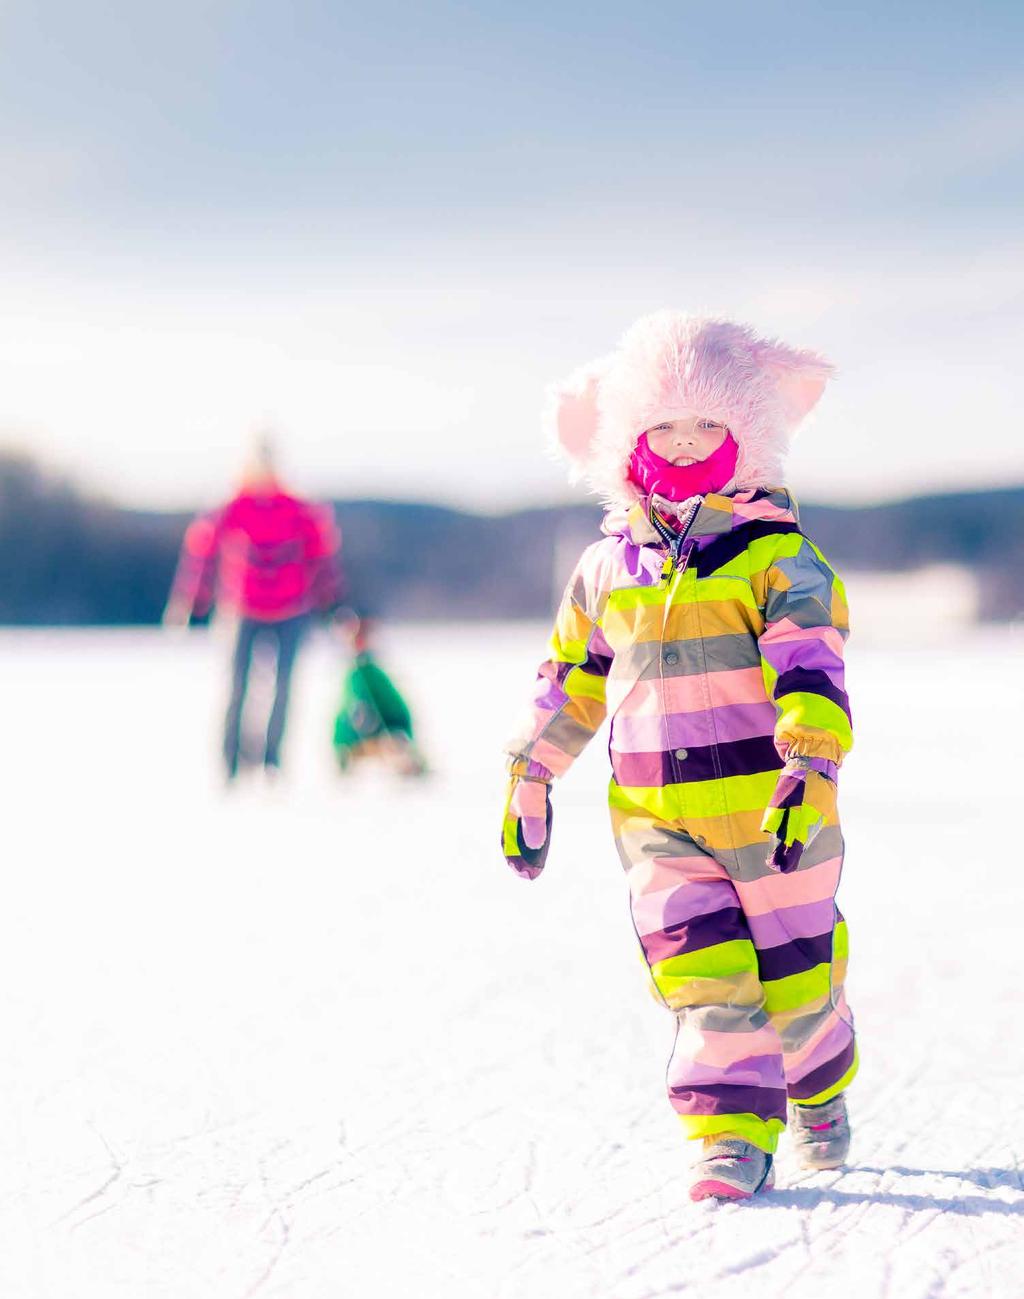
(267, 557)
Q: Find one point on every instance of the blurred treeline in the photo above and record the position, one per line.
(70, 559)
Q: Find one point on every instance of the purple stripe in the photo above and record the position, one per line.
(723, 1098)
(642, 563)
(831, 1042)
(801, 681)
(550, 693)
(796, 957)
(692, 730)
(655, 770)
(810, 652)
(826, 768)
(600, 649)
(553, 695)
(694, 898)
(695, 935)
(720, 550)
(789, 792)
(779, 927)
(826, 1075)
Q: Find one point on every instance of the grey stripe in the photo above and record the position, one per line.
(648, 660)
(643, 843)
(567, 734)
(805, 612)
(800, 1031)
(722, 1019)
(748, 863)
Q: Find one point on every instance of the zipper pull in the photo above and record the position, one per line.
(667, 567)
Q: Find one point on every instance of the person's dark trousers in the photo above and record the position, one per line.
(284, 637)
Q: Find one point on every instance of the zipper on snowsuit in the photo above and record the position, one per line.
(677, 558)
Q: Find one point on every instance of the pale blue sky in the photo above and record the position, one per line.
(386, 228)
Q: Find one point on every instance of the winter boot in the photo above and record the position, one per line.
(821, 1133)
(731, 1169)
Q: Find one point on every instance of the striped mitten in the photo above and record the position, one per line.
(803, 801)
(526, 826)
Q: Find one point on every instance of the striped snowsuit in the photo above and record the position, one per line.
(716, 653)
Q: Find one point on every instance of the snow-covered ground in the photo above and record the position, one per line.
(321, 1042)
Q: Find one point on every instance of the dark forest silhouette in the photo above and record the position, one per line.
(71, 559)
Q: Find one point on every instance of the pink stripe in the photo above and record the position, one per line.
(787, 646)
(663, 874)
(825, 1045)
(753, 1071)
(777, 892)
(787, 631)
(651, 732)
(760, 510)
(690, 694)
(675, 906)
(724, 1049)
(806, 921)
(557, 762)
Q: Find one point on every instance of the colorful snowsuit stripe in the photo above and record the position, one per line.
(716, 656)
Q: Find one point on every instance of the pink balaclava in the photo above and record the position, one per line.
(657, 476)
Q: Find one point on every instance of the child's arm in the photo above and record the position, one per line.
(568, 708)
(568, 704)
(806, 626)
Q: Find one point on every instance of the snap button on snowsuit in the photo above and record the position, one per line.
(671, 657)
(681, 754)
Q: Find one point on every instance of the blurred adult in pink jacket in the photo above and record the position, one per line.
(270, 559)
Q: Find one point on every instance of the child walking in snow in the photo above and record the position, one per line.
(710, 629)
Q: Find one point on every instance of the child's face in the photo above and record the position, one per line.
(687, 440)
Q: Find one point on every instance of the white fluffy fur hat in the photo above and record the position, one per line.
(669, 364)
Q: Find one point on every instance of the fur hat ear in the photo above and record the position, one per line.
(571, 413)
(800, 394)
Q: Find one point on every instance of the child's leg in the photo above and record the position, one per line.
(726, 1072)
(801, 944)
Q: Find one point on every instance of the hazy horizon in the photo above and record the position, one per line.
(386, 232)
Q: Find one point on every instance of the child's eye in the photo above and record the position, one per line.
(708, 423)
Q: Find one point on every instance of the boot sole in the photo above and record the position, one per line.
(711, 1188)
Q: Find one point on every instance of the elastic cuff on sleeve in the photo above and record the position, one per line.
(527, 769)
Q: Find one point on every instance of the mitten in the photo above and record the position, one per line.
(526, 826)
(804, 800)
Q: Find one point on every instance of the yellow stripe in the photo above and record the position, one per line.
(584, 685)
(761, 554)
(731, 795)
(736, 956)
(797, 989)
(782, 1019)
(567, 651)
(743, 990)
(728, 590)
(636, 597)
(763, 1133)
(802, 708)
